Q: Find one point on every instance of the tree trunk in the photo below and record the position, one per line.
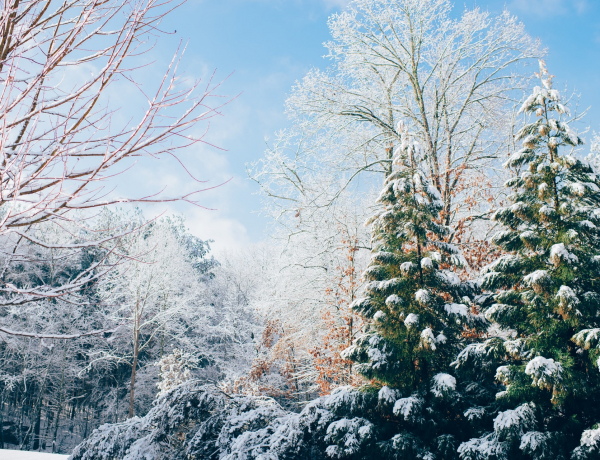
(87, 417)
(59, 405)
(21, 418)
(136, 345)
(2, 421)
(49, 420)
(39, 405)
(36, 430)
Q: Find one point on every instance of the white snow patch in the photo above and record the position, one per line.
(578, 189)
(566, 297)
(486, 447)
(503, 263)
(443, 384)
(587, 224)
(339, 397)
(422, 296)
(474, 413)
(407, 406)
(536, 278)
(517, 207)
(411, 320)
(531, 442)
(559, 253)
(6, 454)
(527, 235)
(379, 316)
(388, 284)
(449, 277)
(519, 420)
(351, 432)
(377, 357)
(360, 303)
(544, 371)
(393, 300)
(587, 338)
(516, 348)
(428, 339)
(473, 351)
(456, 309)
(387, 395)
(590, 438)
(503, 374)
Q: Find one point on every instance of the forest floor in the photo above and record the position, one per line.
(25, 455)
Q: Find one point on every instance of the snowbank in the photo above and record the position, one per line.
(25, 455)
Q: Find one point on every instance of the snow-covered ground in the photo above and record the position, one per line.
(24, 455)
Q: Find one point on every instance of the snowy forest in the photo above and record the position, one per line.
(429, 288)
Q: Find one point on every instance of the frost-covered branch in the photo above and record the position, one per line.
(453, 82)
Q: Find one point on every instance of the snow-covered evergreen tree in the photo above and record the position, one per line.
(546, 297)
(203, 423)
(417, 308)
(418, 313)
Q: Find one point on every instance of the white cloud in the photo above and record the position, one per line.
(581, 6)
(336, 3)
(546, 8)
(226, 232)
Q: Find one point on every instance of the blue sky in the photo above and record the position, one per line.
(268, 45)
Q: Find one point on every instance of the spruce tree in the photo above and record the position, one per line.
(418, 313)
(546, 297)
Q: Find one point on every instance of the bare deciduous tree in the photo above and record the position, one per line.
(61, 137)
(451, 81)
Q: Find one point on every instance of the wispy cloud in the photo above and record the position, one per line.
(336, 3)
(581, 5)
(548, 8)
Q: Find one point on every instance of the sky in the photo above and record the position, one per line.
(261, 48)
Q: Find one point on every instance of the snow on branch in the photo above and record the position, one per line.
(34, 335)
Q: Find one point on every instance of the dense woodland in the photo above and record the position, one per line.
(430, 289)
(173, 296)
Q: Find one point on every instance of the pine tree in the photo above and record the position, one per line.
(546, 297)
(418, 313)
